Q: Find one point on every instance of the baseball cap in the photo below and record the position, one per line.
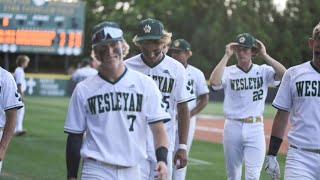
(246, 40)
(86, 60)
(180, 44)
(106, 32)
(149, 29)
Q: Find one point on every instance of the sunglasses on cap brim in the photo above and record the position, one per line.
(107, 33)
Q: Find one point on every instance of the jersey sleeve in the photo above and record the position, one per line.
(270, 76)
(201, 85)
(183, 92)
(283, 99)
(155, 111)
(9, 92)
(76, 115)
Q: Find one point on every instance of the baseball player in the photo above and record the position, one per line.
(171, 78)
(10, 102)
(114, 108)
(180, 50)
(297, 99)
(19, 76)
(85, 71)
(245, 87)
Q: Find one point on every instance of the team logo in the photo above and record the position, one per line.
(132, 86)
(166, 71)
(176, 44)
(147, 28)
(242, 40)
(190, 86)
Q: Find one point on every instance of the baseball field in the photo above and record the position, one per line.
(40, 155)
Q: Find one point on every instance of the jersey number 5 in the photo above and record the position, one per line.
(257, 95)
(132, 118)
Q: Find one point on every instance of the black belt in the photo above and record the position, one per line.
(306, 149)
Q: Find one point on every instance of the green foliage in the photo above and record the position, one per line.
(210, 25)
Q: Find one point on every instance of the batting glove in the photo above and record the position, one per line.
(272, 167)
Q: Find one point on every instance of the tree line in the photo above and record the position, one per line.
(211, 24)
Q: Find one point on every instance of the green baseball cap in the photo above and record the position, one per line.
(246, 40)
(106, 32)
(180, 44)
(149, 29)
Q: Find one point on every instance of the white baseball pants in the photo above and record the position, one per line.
(94, 170)
(302, 164)
(243, 142)
(20, 117)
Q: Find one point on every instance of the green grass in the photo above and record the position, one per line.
(40, 155)
(213, 153)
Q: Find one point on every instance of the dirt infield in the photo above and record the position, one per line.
(211, 128)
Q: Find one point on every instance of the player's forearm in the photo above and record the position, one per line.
(216, 75)
(280, 124)
(202, 102)
(11, 116)
(183, 122)
(278, 130)
(19, 88)
(160, 137)
(278, 67)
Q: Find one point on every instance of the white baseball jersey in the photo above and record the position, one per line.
(19, 76)
(245, 92)
(299, 93)
(171, 78)
(115, 116)
(82, 73)
(9, 96)
(196, 84)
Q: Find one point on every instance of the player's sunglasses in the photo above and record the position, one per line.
(107, 33)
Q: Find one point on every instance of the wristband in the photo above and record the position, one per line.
(274, 145)
(183, 146)
(162, 154)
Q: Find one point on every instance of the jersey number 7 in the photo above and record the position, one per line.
(132, 118)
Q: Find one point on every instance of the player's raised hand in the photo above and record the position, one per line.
(161, 171)
(261, 48)
(230, 48)
(272, 167)
(180, 158)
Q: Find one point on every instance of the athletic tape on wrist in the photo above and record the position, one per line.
(183, 146)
